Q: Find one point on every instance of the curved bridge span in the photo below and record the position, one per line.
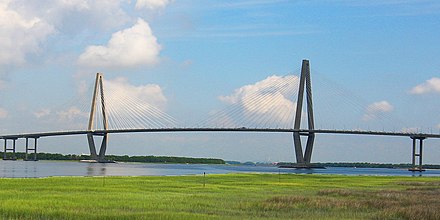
(304, 132)
(303, 158)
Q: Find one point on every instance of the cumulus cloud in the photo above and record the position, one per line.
(127, 48)
(151, 4)
(20, 35)
(27, 25)
(376, 109)
(126, 104)
(3, 113)
(119, 90)
(270, 97)
(430, 86)
(72, 17)
(136, 106)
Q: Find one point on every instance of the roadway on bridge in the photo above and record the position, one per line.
(243, 129)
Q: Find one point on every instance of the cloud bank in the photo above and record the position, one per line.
(271, 97)
(20, 35)
(28, 25)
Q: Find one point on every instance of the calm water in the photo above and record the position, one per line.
(17, 169)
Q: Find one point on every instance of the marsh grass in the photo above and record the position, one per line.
(230, 196)
(415, 202)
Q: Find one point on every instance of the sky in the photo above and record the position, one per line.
(375, 66)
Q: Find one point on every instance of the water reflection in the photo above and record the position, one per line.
(30, 169)
(417, 173)
(96, 169)
(11, 168)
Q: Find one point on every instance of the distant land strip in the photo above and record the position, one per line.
(124, 158)
(191, 160)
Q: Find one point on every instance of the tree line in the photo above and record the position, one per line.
(124, 158)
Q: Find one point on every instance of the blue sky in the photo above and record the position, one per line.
(374, 66)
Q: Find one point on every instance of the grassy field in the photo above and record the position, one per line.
(230, 196)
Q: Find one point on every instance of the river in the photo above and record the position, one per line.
(33, 169)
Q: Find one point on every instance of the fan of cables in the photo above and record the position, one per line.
(125, 111)
(270, 103)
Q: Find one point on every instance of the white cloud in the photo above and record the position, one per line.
(77, 4)
(72, 118)
(136, 106)
(76, 15)
(3, 113)
(27, 25)
(430, 86)
(71, 115)
(377, 108)
(72, 17)
(42, 113)
(270, 97)
(20, 35)
(127, 48)
(127, 106)
(120, 90)
(151, 4)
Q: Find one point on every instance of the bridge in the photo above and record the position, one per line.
(148, 119)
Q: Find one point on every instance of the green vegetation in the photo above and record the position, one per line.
(163, 159)
(125, 158)
(230, 196)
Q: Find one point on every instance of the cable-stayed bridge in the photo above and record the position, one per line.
(277, 104)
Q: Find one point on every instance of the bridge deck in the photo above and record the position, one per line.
(269, 130)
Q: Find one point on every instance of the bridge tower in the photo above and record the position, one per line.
(305, 83)
(98, 93)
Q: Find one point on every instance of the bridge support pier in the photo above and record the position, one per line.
(303, 159)
(93, 155)
(12, 150)
(418, 167)
(31, 150)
